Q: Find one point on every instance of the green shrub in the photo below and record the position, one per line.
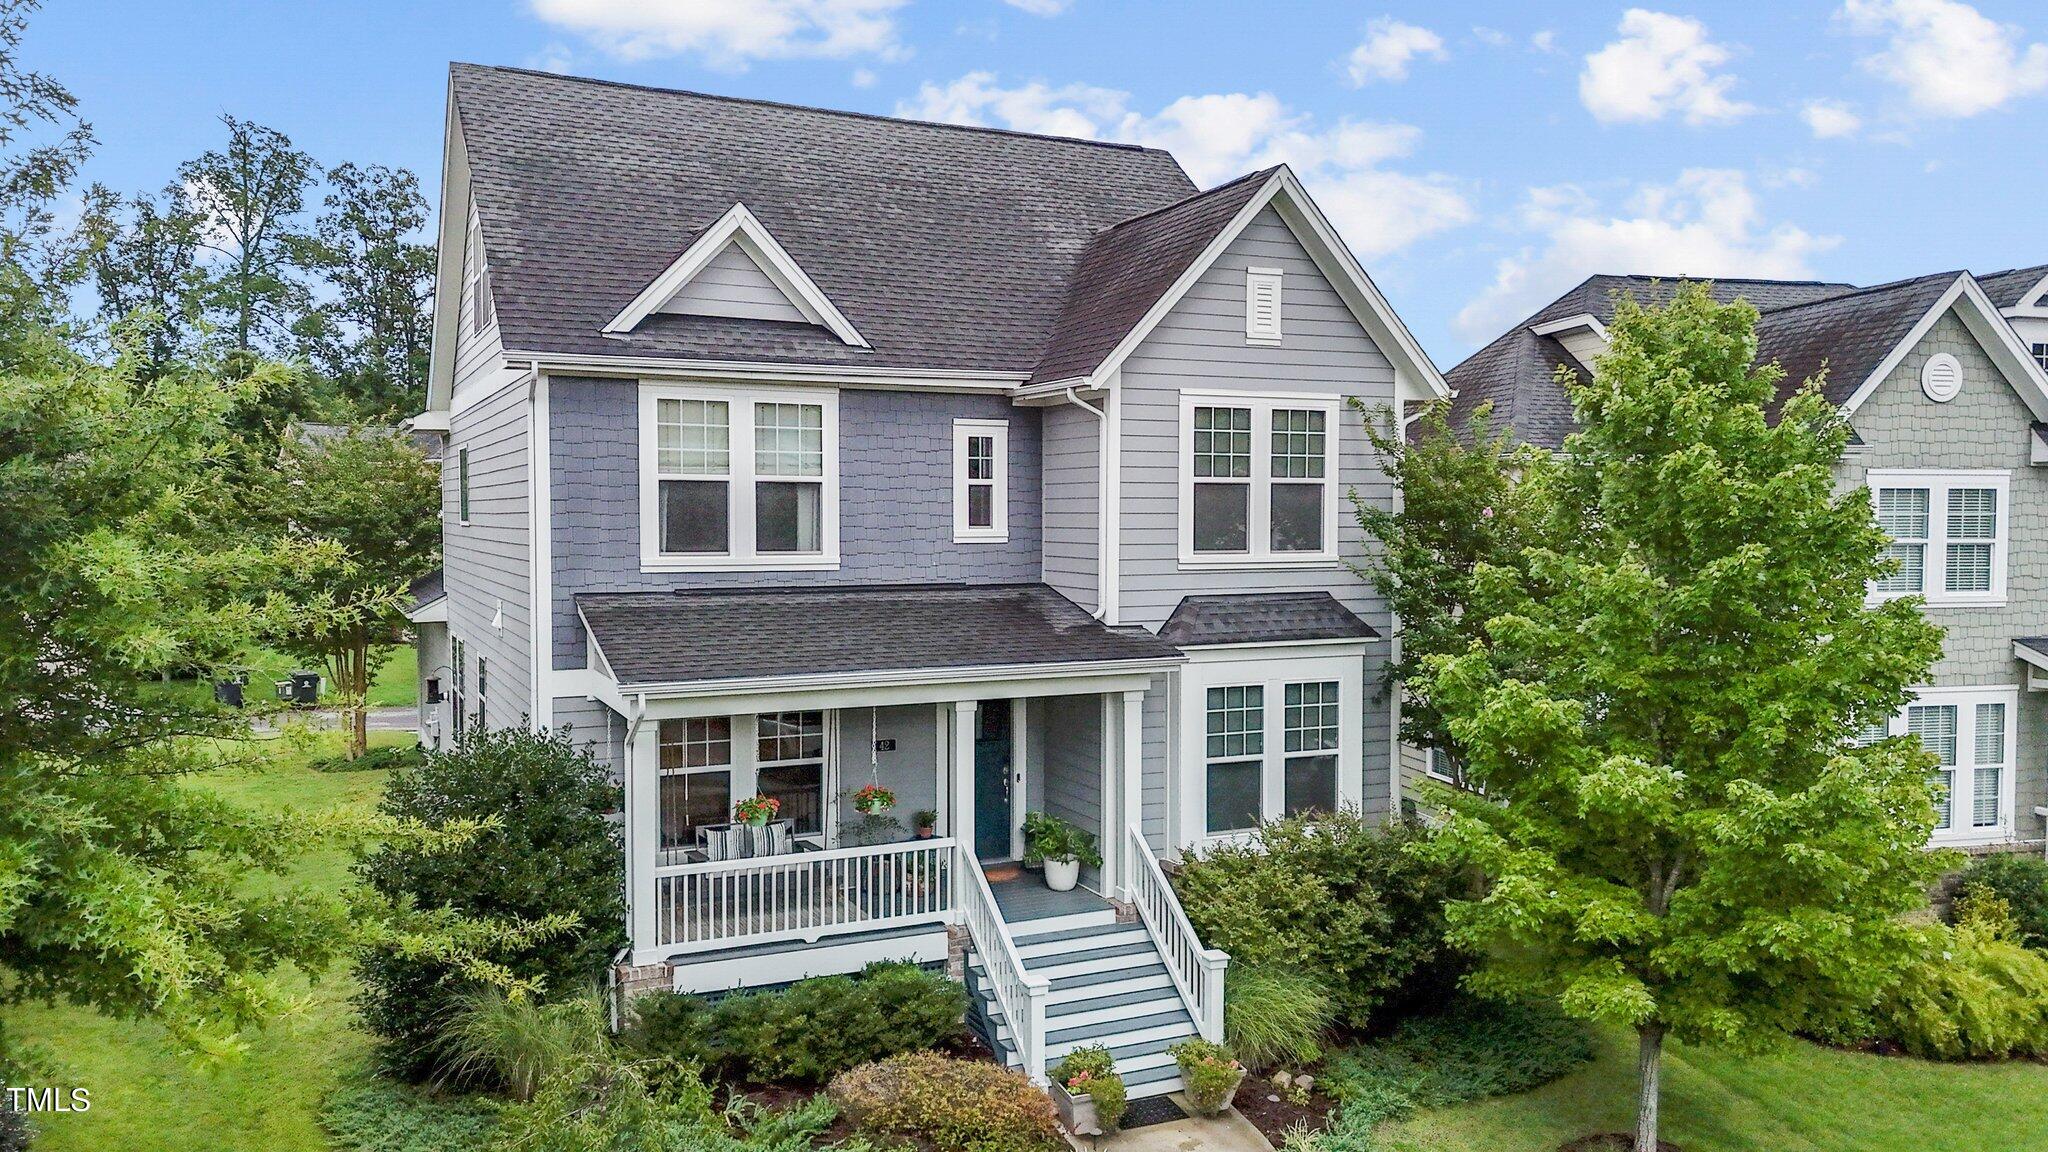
(1968, 993)
(1343, 899)
(374, 760)
(553, 852)
(519, 1043)
(1091, 1072)
(380, 1116)
(1273, 1014)
(810, 1031)
(1051, 838)
(1209, 1074)
(2022, 882)
(950, 1105)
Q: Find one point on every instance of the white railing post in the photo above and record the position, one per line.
(803, 895)
(1197, 971)
(1133, 789)
(647, 925)
(1021, 995)
(1213, 962)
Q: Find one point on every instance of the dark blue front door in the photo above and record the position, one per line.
(992, 781)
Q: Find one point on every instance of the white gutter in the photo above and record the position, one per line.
(895, 676)
(855, 374)
(1103, 610)
(540, 552)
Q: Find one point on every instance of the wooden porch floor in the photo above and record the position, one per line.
(1024, 896)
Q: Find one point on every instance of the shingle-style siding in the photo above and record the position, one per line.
(1201, 344)
(895, 498)
(1986, 426)
(733, 285)
(1073, 503)
(487, 561)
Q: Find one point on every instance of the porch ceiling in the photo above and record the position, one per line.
(703, 636)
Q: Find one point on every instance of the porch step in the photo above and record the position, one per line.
(1103, 917)
(1038, 943)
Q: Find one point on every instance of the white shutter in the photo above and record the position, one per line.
(1262, 304)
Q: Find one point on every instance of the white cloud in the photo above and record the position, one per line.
(1951, 59)
(1041, 7)
(1387, 49)
(1544, 41)
(1491, 37)
(729, 33)
(1705, 223)
(1663, 64)
(1830, 119)
(1221, 135)
(863, 78)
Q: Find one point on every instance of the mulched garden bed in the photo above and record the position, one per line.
(1611, 1142)
(1268, 1107)
(778, 1097)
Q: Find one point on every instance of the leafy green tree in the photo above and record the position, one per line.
(1679, 835)
(144, 258)
(42, 143)
(251, 195)
(376, 498)
(373, 336)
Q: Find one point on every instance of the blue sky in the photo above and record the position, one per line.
(1479, 157)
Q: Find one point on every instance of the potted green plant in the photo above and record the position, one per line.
(1209, 1075)
(1089, 1092)
(1061, 847)
(873, 800)
(926, 822)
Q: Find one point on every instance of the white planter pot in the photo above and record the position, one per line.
(1062, 875)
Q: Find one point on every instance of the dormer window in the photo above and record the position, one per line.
(1262, 305)
(738, 478)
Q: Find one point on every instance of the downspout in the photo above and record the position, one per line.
(1102, 504)
(540, 550)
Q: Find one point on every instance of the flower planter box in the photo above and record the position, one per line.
(1076, 1112)
(1203, 1107)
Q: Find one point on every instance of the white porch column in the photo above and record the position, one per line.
(1020, 751)
(1132, 811)
(1112, 800)
(643, 837)
(963, 775)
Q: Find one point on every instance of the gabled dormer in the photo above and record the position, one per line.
(736, 269)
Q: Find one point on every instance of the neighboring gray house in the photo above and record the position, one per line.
(1949, 407)
(791, 451)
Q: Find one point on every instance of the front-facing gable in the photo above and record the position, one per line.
(736, 269)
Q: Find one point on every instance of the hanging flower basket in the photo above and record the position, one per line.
(756, 810)
(873, 800)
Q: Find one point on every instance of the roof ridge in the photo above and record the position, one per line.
(784, 104)
(1192, 197)
(1888, 286)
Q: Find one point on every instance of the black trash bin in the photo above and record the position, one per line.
(302, 688)
(228, 692)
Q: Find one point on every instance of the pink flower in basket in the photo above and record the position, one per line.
(756, 810)
(873, 800)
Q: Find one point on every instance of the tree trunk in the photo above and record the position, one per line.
(354, 687)
(1649, 1065)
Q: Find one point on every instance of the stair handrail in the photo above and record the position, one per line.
(1021, 995)
(1197, 970)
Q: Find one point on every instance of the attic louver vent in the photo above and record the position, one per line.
(1262, 305)
(1941, 378)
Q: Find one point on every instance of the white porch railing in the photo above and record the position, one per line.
(1021, 995)
(804, 895)
(1197, 971)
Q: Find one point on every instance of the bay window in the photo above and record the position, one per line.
(1258, 480)
(738, 478)
(1272, 736)
(1948, 535)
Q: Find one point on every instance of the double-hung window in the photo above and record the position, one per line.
(483, 694)
(1948, 534)
(1314, 727)
(1236, 748)
(1970, 732)
(790, 755)
(1274, 738)
(981, 478)
(696, 779)
(738, 478)
(1258, 480)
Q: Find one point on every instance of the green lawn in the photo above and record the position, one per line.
(396, 684)
(1804, 1098)
(146, 1097)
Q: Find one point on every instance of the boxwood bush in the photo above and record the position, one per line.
(1341, 899)
(948, 1105)
(808, 1032)
(2020, 881)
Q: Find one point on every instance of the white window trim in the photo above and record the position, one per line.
(740, 479)
(1256, 279)
(998, 530)
(1962, 796)
(476, 277)
(1260, 555)
(1934, 576)
(1271, 670)
(462, 493)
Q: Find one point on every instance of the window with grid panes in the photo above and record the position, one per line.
(1235, 745)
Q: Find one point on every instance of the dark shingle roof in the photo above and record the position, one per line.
(2038, 645)
(1262, 618)
(1849, 335)
(1125, 270)
(2006, 289)
(680, 637)
(949, 248)
(427, 589)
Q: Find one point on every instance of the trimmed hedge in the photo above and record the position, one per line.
(951, 1105)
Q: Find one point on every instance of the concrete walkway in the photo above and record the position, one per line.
(1229, 1132)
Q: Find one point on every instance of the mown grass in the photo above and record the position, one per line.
(1802, 1099)
(145, 1096)
(396, 684)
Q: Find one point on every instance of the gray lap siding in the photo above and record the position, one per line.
(895, 498)
(487, 561)
(1201, 345)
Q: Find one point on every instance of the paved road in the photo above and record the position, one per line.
(381, 719)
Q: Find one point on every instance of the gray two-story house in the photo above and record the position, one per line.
(794, 452)
(1941, 379)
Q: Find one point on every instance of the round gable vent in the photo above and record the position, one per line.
(1941, 378)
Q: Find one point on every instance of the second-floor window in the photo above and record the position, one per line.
(1258, 480)
(476, 276)
(981, 478)
(2040, 351)
(738, 478)
(462, 485)
(1948, 534)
